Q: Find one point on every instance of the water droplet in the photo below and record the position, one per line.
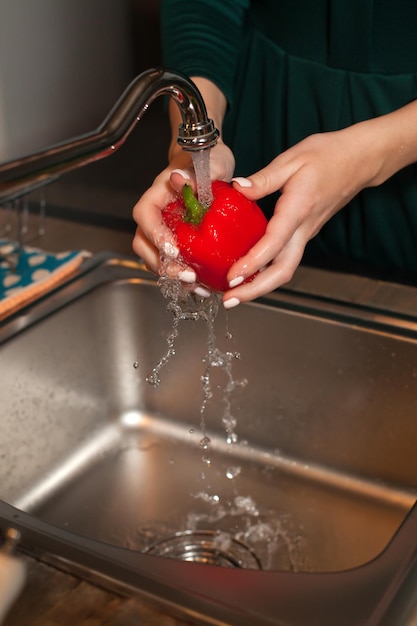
(233, 471)
(247, 504)
(153, 378)
(136, 365)
(229, 423)
(205, 442)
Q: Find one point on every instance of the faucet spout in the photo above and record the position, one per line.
(196, 132)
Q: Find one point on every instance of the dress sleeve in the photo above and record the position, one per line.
(203, 38)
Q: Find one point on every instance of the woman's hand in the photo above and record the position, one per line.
(316, 178)
(153, 239)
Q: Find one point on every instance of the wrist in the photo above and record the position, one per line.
(389, 143)
(214, 100)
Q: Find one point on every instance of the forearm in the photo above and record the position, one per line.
(389, 143)
(203, 38)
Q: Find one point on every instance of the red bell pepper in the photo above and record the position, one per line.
(211, 239)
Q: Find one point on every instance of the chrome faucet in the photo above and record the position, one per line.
(196, 132)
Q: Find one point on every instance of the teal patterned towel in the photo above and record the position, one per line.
(26, 273)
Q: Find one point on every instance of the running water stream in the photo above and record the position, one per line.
(201, 162)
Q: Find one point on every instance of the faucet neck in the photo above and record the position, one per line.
(196, 132)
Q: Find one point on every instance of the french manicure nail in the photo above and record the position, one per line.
(232, 302)
(243, 182)
(236, 281)
(187, 276)
(182, 173)
(200, 291)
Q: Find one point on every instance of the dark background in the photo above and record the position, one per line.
(105, 192)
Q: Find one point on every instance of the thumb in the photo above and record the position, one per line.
(179, 177)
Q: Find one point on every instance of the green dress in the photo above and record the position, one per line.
(290, 68)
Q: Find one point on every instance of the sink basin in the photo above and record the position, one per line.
(313, 485)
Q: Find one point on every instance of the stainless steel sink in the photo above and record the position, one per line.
(314, 495)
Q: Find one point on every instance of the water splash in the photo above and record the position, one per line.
(185, 305)
(241, 517)
(215, 358)
(233, 472)
(260, 529)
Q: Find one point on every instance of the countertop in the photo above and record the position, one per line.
(52, 597)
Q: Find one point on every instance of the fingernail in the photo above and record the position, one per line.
(200, 291)
(229, 304)
(170, 250)
(236, 281)
(187, 276)
(243, 182)
(182, 173)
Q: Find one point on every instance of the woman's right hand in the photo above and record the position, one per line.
(153, 239)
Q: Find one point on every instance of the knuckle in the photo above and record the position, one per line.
(263, 179)
(286, 275)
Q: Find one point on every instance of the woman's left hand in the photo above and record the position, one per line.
(316, 178)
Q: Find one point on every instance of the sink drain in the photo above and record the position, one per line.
(206, 546)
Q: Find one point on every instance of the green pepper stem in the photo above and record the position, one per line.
(194, 209)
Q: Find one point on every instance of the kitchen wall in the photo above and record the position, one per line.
(68, 62)
(63, 64)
